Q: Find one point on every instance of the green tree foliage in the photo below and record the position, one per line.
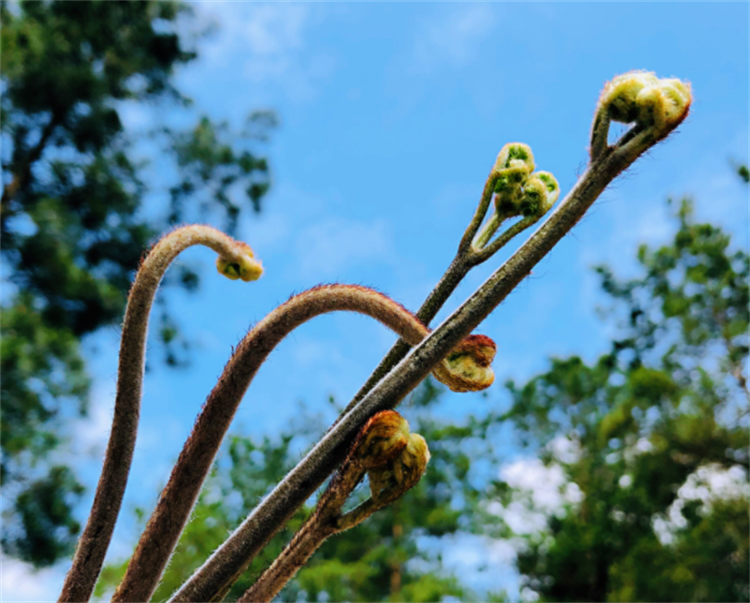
(667, 404)
(72, 224)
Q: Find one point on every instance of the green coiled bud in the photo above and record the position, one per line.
(534, 197)
(553, 190)
(641, 97)
(621, 94)
(242, 266)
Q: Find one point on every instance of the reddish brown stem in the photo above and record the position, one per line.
(378, 447)
(192, 467)
(92, 547)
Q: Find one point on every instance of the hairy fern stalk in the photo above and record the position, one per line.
(368, 438)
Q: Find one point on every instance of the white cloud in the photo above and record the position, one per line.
(712, 482)
(20, 582)
(547, 486)
(564, 449)
(542, 491)
(453, 38)
(707, 485)
(329, 247)
(268, 41)
(485, 565)
(642, 446)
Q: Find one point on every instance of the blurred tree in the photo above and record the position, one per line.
(72, 224)
(660, 425)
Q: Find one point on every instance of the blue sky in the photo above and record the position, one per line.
(391, 117)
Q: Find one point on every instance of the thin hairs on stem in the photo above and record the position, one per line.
(194, 463)
(230, 560)
(394, 459)
(93, 544)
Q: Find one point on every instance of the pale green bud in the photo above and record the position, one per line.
(641, 97)
(666, 103)
(678, 94)
(534, 199)
(516, 158)
(619, 95)
(553, 189)
(243, 265)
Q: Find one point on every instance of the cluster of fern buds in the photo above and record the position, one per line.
(642, 98)
(519, 191)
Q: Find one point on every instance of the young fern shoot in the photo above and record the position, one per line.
(655, 107)
(517, 193)
(466, 368)
(393, 459)
(235, 261)
(383, 447)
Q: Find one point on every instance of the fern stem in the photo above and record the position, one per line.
(212, 580)
(194, 463)
(93, 544)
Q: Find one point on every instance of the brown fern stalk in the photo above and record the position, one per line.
(393, 458)
(179, 495)
(507, 181)
(235, 261)
(656, 108)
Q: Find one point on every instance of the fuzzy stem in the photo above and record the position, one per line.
(476, 221)
(437, 298)
(466, 258)
(599, 133)
(464, 261)
(238, 551)
(325, 522)
(480, 255)
(93, 544)
(320, 526)
(290, 561)
(379, 442)
(488, 231)
(179, 495)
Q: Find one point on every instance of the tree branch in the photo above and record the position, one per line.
(21, 176)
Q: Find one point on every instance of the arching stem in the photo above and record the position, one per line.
(194, 463)
(230, 560)
(93, 544)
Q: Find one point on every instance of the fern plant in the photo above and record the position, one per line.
(369, 438)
